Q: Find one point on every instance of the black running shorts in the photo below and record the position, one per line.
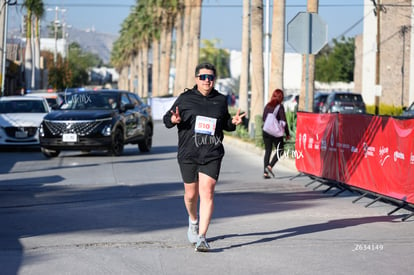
(189, 171)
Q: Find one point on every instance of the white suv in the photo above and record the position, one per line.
(290, 102)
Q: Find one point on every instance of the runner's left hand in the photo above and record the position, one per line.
(237, 119)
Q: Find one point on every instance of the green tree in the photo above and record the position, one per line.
(57, 76)
(80, 63)
(219, 57)
(336, 63)
(73, 71)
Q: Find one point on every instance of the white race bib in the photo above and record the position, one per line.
(205, 125)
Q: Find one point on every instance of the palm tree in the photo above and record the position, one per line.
(169, 10)
(127, 51)
(145, 30)
(118, 61)
(194, 37)
(245, 49)
(215, 55)
(154, 9)
(28, 65)
(35, 8)
(134, 39)
(257, 102)
(278, 46)
(138, 28)
(124, 52)
(179, 44)
(182, 73)
(38, 12)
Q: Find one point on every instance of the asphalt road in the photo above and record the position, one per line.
(98, 214)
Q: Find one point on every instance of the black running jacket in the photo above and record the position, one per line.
(200, 132)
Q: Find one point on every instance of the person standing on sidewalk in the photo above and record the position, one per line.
(200, 114)
(269, 140)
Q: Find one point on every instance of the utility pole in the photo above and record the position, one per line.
(56, 24)
(3, 41)
(308, 70)
(267, 53)
(403, 31)
(378, 9)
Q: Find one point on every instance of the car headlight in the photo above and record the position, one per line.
(41, 131)
(106, 131)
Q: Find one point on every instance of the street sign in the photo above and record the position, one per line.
(307, 33)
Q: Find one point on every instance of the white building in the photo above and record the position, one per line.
(50, 44)
(292, 74)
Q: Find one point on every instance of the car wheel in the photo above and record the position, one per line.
(117, 143)
(50, 153)
(146, 144)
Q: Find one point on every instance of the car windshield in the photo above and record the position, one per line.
(348, 98)
(89, 101)
(22, 106)
(51, 101)
(288, 97)
(323, 99)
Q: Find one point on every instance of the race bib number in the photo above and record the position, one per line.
(205, 125)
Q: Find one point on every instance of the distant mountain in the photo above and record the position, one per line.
(89, 40)
(94, 42)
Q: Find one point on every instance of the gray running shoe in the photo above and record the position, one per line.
(192, 233)
(202, 245)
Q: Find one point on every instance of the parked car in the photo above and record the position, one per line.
(97, 120)
(290, 102)
(20, 119)
(51, 97)
(344, 102)
(319, 101)
(409, 112)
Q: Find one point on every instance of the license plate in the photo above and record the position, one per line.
(70, 137)
(20, 134)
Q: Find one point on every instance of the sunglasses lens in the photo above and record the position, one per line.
(206, 76)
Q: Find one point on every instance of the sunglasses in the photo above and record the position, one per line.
(210, 77)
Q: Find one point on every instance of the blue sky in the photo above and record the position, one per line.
(221, 19)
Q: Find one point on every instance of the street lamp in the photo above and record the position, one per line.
(66, 41)
(56, 24)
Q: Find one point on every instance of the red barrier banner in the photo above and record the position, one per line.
(369, 152)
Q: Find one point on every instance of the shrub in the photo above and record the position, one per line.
(385, 110)
(291, 118)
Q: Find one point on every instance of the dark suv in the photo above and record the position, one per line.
(319, 101)
(344, 102)
(408, 112)
(97, 120)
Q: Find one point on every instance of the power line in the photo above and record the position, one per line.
(352, 27)
(91, 5)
